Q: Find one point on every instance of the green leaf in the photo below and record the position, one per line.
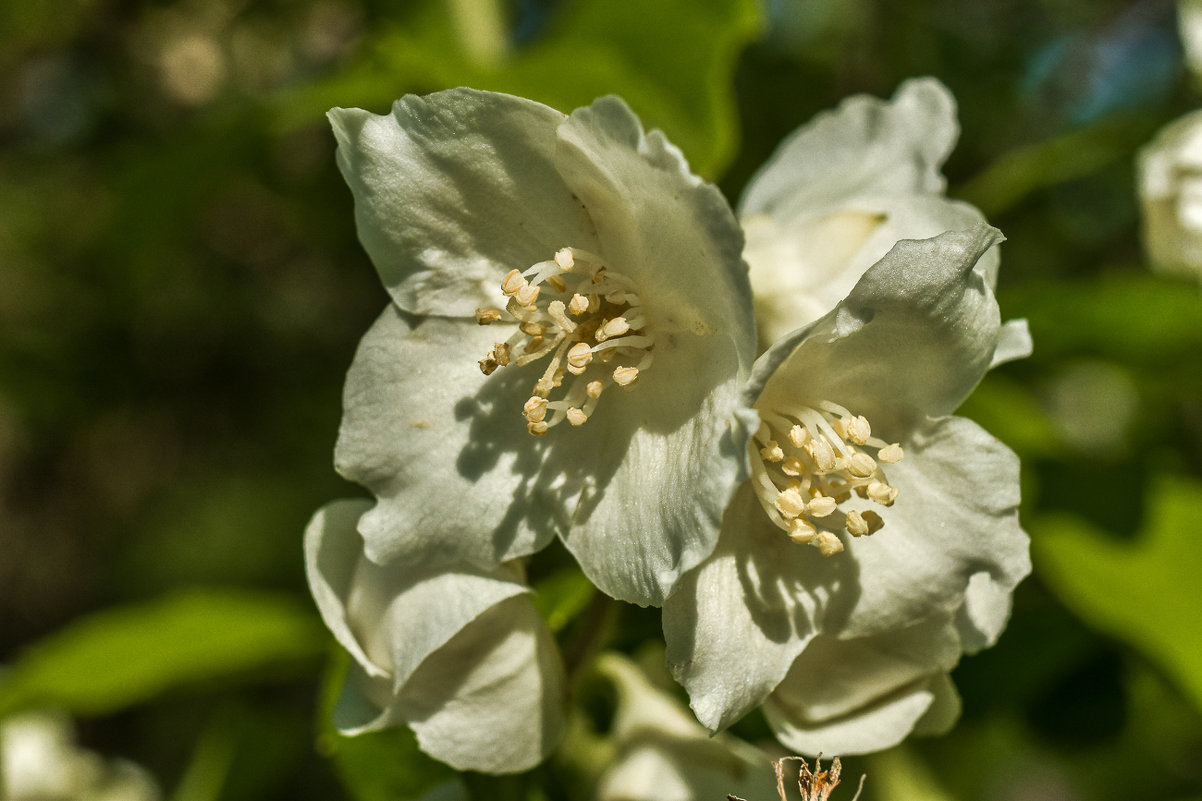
(1145, 593)
(673, 61)
(384, 765)
(122, 656)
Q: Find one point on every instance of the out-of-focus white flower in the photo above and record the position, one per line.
(40, 761)
(571, 326)
(459, 655)
(662, 754)
(848, 644)
(1170, 192)
(1189, 25)
(839, 192)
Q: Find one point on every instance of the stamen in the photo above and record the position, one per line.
(807, 461)
(563, 306)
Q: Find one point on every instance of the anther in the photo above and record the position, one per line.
(790, 502)
(828, 544)
(821, 506)
(861, 465)
(526, 295)
(883, 494)
(891, 453)
(578, 305)
(857, 429)
(500, 352)
(579, 356)
(612, 328)
(564, 260)
(537, 429)
(798, 436)
(593, 389)
(802, 532)
(487, 316)
(513, 282)
(792, 467)
(577, 417)
(772, 451)
(625, 376)
(557, 283)
(535, 409)
(822, 453)
(857, 526)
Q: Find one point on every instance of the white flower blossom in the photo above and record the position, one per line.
(40, 760)
(571, 323)
(911, 515)
(1170, 192)
(460, 656)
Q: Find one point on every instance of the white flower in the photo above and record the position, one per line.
(1170, 191)
(460, 656)
(663, 755)
(847, 644)
(571, 326)
(40, 760)
(839, 192)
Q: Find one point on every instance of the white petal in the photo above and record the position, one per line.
(866, 146)
(738, 622)
(1014, 342)
(664, 461)
(452, 191)
(442, 447)
(952, 538)
(863, 695)
(802, 267)
(911, 340)
(1170, 191)
(492, 699)
(672, 233)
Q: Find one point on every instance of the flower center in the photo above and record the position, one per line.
(806, 462)
(586, 319)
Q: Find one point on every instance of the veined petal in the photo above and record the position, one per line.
(391, 618)
(442, 447)
(736, 624)
(951, 541)
(802, 267)
(862, 695)
(865, 146)
(911, 340)
(492, 699)
(671, 232)
(452, 191)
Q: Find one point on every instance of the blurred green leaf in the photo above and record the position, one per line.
(562, 596)
(1139, 318)
(1145, 593)
(384, 765)
(1014, 175)
(673, 61)
(122, 656)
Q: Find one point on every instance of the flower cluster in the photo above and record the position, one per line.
(824, 538)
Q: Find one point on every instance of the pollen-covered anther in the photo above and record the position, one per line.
(772, 452)
(891, 454)
(535, 409)
(809, 461)
(584, 322)
(626, 376)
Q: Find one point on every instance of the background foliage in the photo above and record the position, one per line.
(181, 292)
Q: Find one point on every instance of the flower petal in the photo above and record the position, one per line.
(671, 232)
(422, 429)
(492, 699)
(736, 624)
(952, 539)
(1013, 342)
(391, 618)
(452, 191)
(802, 267)
(856, 696)
(911, 340)
(866, 146)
